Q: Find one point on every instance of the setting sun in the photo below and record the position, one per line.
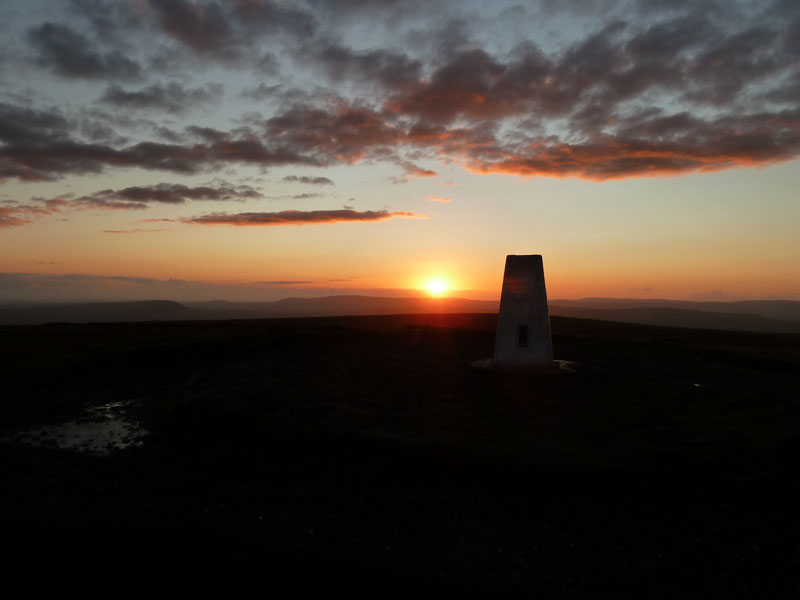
(437, 287)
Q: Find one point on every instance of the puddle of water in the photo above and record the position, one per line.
(106, 429)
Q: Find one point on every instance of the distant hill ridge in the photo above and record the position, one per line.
(744, 315)
(84, 312)
(788, 310)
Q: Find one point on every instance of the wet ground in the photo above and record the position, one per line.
(371, 451)
(100, 431)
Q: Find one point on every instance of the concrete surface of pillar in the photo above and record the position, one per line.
(523, 326)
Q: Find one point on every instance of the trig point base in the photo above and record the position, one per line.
(523, 326)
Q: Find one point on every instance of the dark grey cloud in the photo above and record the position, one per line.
(688, 56)
(649, 142)
(380, 13)
(788, 93)
(139, 197)
(171, 97)
(71, 54)
(346, 133)
(690, 87)
(309, 180)
(169, 32)
(648, 6)
(267, 64)
(358, 6)
(265, 16)
(671, 38)
(110, 20)
(261, 92)
(201, 26)
(227, 30)
(297, 217)
(41, 145)
(133, 230)
(462, 87)
(15, 214)
(658, 145)
(174, 193)
(582, 6)
(389, 69)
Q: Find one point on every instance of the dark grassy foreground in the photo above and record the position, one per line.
(365, 451)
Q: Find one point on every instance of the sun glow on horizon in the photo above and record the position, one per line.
(437, 287)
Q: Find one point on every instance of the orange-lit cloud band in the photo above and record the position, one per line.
(298, 217)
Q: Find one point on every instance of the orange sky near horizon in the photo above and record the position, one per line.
(624, 242)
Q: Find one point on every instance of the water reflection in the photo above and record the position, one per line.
(105, 429)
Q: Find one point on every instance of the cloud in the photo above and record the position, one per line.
(171, 98)
(20, 125)
(303, 196)
(342, 132)
(133, 230)
(298, 217)
(657, 145)
(282, 282)
(10, 217)
(695, 87)
(309, 180)
(169, 193)
(41, 145)
(386, 68)
(643, 143)
(353, 8)
(202, 27)
(15, 214)
(227, 31)
(460, 88)
(111, 21)
(442, 199)
(71, 54)
(261, 91)
(139, 197)
(412, 170)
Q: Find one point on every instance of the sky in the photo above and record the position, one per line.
(255, 150)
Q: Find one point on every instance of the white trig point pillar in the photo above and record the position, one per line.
(523, 326)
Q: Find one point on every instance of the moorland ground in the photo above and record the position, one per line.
(368, 449)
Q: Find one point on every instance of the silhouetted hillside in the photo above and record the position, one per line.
(785, 310)
(147, 310)
(678, 317)
(343, 306)
(769, 316)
